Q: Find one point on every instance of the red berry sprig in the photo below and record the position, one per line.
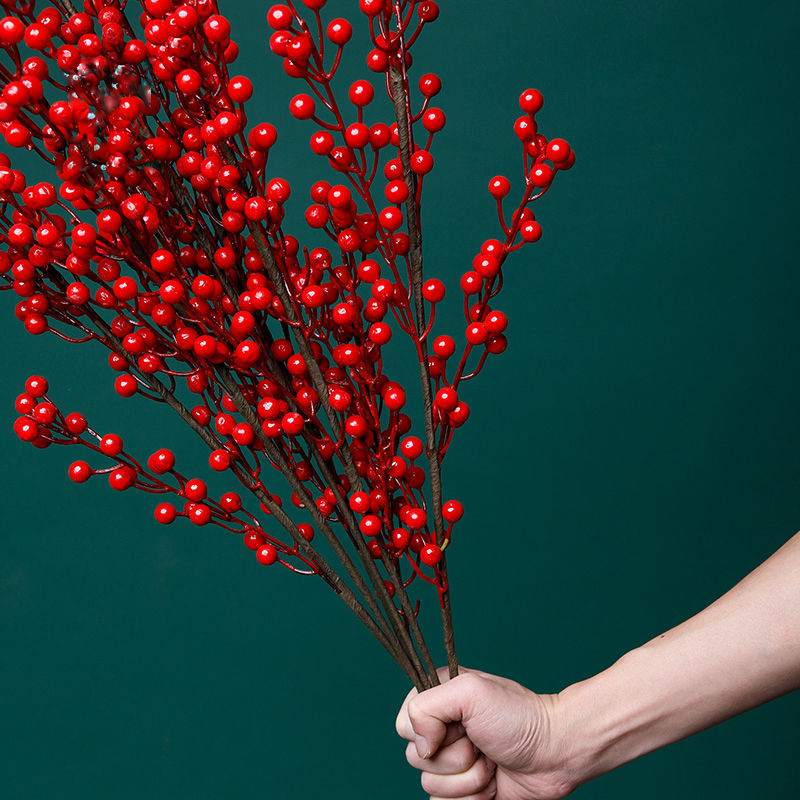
(162, 237)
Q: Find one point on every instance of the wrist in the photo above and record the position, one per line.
(607, 720)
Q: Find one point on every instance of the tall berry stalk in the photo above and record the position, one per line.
(162, 237)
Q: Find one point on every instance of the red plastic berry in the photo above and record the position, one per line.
(541, 175)
(195, 490)
(161, 461)
(452, 511)
(79, 471)
(430, 84)
(240, 89)
(121, 479)
(339, 31)
(36, 386)
(199, 514)
(446, 398)
(415, 518)
(531, 101)
(75, 423)
(26, 429)
(430, 555)
(111, 445)
(499, 186)
(266, 554)
(361, 93)
(302, 106)
(217, 28)
(280, 17)
(165, 513)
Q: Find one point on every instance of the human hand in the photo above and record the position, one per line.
(482, 737)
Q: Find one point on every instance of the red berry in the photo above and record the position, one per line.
(446, 398)
(36, 386)
(121, 479)
(531, 101)
(200, 514)
(302, 106)
(111, 445)
(541, 175)
(361, 93)
(430, 555)
(195, 489)
(165, 513)
(280, 17)
(452, 511)
(253, 539)
(499, 186)
(161, 461)
(433, 290)
(217, 28)
(266, 554)
(240, 89)
(79, 471)
(415, 518)
(339, 31)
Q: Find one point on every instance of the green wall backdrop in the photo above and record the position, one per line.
(634, 453)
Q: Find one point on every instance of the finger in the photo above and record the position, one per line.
(403, 723)
(450, 760)
(431, 711)
(489, 793)
(464, 784)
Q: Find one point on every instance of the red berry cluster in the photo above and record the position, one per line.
(162, 237)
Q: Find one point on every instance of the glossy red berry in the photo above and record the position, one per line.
(302, 106)
(531, 101)
(446, 398)
(452, 511)
(430, 555)
(111, 444)
(499, 186)
(541, 175)
(161, 461)
(266, 554)
(36, 386)
(165, 513)
(122, 478)
(280, 17)
(195, 489)
(339, 31)
(79, 471)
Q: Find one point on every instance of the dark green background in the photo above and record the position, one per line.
(630, 457)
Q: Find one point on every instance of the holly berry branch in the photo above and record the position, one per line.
(162, 236)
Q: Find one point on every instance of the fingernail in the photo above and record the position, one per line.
(422, 747)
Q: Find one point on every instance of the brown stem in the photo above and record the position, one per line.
(400, 97)
(318, 381)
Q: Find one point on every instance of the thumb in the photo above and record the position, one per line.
(431, 711)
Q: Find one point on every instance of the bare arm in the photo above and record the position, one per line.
(487, 738)
(740, 652)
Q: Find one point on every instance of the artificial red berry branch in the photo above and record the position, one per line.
(163, 239)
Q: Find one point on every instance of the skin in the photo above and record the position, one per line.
(483, 737)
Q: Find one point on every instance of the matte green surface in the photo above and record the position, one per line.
(630, 457)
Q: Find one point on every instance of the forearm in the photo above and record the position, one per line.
(741, 651)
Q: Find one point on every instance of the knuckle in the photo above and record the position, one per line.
(470, 682)
(465, 756)
(412, 756)
(415, 710)
(430, 782)
(403, 726)
(483, 774)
